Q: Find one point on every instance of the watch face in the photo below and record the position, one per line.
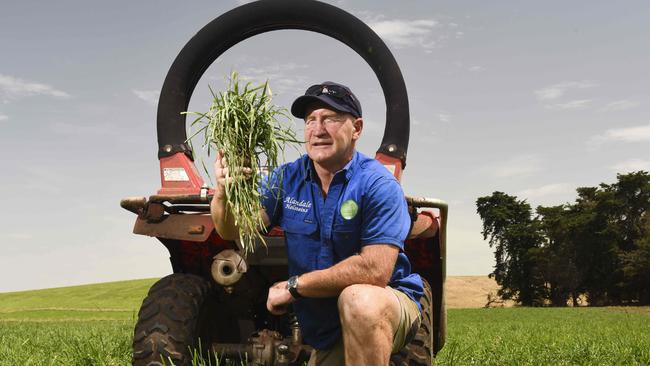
(291, 283)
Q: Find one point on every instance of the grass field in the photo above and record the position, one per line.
(93, 325)
(547, 336)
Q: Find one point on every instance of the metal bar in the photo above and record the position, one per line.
(444, 211)
(188, 208)
(185, 198)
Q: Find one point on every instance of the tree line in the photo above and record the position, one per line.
(596, 248)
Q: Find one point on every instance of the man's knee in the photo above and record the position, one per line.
(363, 304)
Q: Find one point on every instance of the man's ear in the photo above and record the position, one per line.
(357, 124)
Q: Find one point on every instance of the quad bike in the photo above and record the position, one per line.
(214, 302)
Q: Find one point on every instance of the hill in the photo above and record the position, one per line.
(471, 292)
(110, 300)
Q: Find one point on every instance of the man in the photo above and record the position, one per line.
(345, 220)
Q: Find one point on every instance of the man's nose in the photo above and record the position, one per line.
(318, 127)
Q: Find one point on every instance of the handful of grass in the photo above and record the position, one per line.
(244, 124)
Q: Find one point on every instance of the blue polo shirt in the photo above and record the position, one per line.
(365, 205)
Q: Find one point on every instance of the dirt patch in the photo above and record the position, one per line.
(471, 292)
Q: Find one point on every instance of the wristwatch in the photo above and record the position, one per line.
(292, 286)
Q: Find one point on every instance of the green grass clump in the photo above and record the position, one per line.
(244, 124)
(66, 343)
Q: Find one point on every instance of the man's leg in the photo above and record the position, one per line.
(370, 315)
(332, 356)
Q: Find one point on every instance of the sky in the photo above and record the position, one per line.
(529, 98)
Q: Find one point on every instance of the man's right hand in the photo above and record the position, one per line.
(224, 223)
(223, 174)
(222, 218)
(220, 176)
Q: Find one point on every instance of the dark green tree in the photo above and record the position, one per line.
(511, 231)
(599, 246)
(631, 225)
(557, 257)
(593, 243)
(594, 246)
(636, 268)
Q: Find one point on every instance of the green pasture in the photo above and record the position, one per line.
(547, 336)
(93, 325)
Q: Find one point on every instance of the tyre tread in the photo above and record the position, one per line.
(419, 351)
(168, 320)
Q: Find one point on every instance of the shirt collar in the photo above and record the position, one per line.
(309, 170)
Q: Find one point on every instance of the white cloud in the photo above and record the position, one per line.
(406, 33)
(574, 104)
(558, 90)
(3, 117)
(12, 88)
(444, 117)
(628, 134)
(631, 165)
(523, 165)
(20, 236)
(546, 191)
(87, 129)
(149, 96)
(620, 105)
(273, 69)
(282, 77)
(477, 68)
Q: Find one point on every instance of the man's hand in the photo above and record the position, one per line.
(223, 173)
(279, 298)
(224, 223)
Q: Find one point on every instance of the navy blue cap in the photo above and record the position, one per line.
(332, 94)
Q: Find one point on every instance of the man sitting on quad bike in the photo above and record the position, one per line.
(345, 220)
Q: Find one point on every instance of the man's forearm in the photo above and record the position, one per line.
(373, 268)
(223, 220)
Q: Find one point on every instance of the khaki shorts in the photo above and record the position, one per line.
(409, 323)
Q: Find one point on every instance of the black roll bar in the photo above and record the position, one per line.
(268, 15)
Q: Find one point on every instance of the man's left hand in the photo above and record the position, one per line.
(279, 298)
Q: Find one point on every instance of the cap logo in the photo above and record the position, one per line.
(349, 209)
(325, 90)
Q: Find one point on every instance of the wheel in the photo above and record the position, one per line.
(172, 319)
(419, 351)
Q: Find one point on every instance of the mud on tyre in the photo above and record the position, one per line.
(419, 351)
(172, 319)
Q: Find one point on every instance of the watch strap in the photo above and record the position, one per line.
(292, 286)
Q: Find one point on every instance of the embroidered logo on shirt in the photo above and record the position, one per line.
(293, 204)
(349, 209)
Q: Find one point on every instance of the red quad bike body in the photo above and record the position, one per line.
(215, 300)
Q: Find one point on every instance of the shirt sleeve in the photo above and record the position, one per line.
(385, 214)
(271, 195)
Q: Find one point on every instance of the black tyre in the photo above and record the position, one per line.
(419, 351)
(172, 319)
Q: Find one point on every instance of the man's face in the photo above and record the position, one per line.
(330, 136)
